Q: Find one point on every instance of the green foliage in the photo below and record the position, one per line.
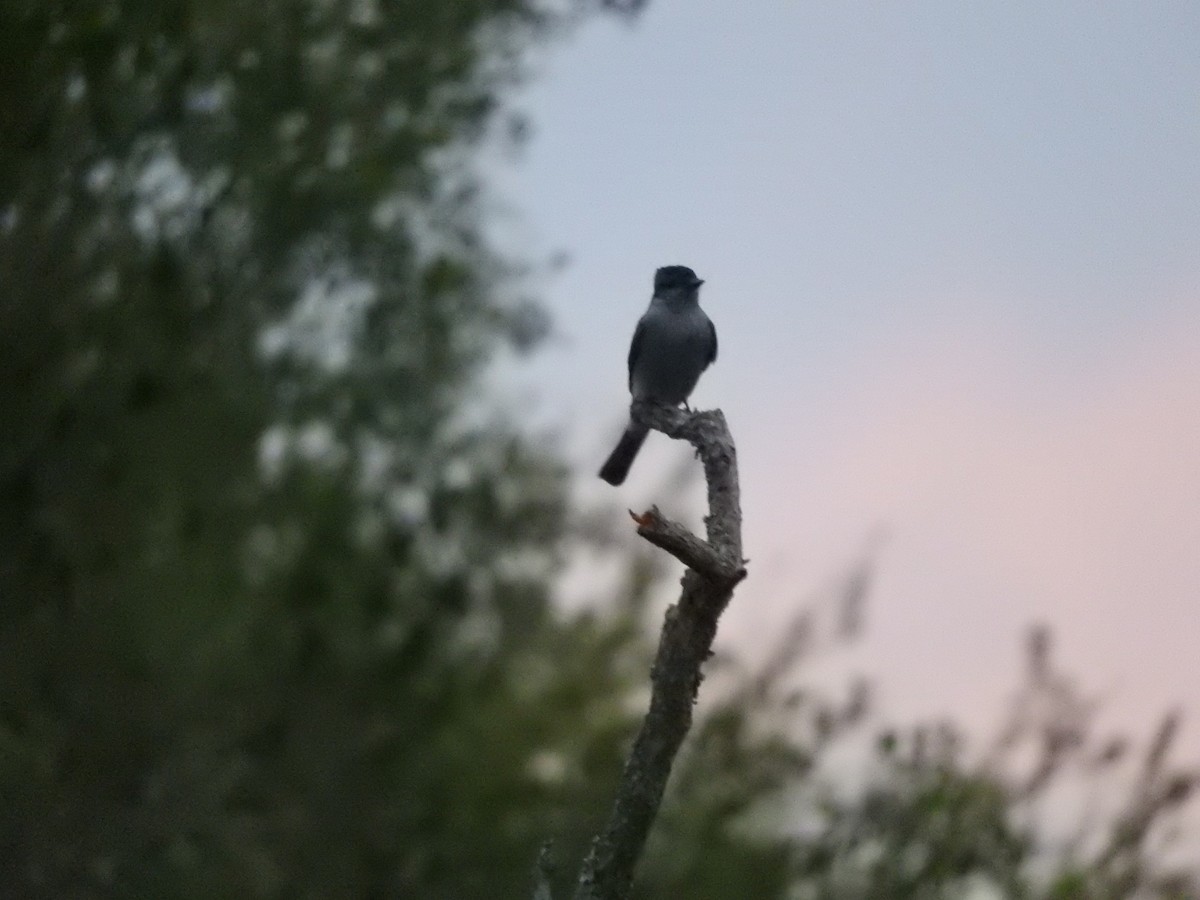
(761, 802)
(275, 617)
(936, 821)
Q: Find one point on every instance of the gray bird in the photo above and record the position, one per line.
(673, 343)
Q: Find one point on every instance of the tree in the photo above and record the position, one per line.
(275, 616)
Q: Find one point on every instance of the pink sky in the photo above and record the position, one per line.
(1008, 498)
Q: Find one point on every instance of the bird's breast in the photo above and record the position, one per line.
(674, 351)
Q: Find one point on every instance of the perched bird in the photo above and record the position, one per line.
(673, 343)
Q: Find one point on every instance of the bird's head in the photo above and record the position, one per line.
(675, 280)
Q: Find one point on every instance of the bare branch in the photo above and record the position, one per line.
(715, 567)
(685, 546)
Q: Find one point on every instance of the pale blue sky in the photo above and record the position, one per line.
(830, 159)
(953, 254)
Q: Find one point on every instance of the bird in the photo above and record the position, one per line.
(674, 342)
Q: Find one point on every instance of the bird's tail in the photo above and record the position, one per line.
(616, 467)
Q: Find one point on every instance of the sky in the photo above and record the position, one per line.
(952, 252)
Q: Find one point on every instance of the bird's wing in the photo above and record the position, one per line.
(635, 348)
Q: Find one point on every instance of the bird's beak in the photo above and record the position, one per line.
(697, 282)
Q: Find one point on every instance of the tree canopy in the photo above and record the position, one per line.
(273, 608)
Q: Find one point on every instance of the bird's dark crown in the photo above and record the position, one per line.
(675, 277)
